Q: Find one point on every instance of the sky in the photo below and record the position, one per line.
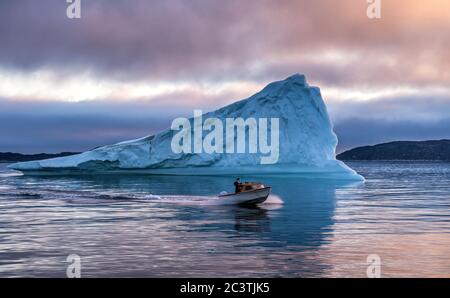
(125, 69)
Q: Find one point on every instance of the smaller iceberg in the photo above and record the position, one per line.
(306, 141)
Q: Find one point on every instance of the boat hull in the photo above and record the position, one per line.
(253, 197)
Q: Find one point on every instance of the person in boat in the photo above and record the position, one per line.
(237, 185)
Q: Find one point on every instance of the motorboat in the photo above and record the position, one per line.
(252, 193)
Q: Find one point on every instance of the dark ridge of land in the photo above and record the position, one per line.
(18, 157)
(438, 150)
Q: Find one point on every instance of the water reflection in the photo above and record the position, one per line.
(176, 226)
(251, 219)
(305, 217)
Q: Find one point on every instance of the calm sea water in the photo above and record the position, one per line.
(177, 227)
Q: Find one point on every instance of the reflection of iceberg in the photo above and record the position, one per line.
(187, 239)
(307, 142)
(304, 219)
(251, 219)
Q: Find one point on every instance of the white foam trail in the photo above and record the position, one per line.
(10, 174)
(152, 197)
(272, 201)
(188, 200)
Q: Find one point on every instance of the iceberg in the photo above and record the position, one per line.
(307, 143)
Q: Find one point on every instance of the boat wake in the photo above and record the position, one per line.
(212, 200)
(93, 197)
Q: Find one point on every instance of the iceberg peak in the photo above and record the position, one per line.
(293, 84)
(297, 79)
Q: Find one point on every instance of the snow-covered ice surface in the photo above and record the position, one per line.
(307, 143)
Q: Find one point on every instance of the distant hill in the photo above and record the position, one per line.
(401, 150)
(16, 157)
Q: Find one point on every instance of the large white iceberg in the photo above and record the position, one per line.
(307, 143)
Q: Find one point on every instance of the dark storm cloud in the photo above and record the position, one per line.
(153, 39)
(216, 40)
(49, 126)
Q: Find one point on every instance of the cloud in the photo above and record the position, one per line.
(53, 127)
(218, 40)
(417, 106)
